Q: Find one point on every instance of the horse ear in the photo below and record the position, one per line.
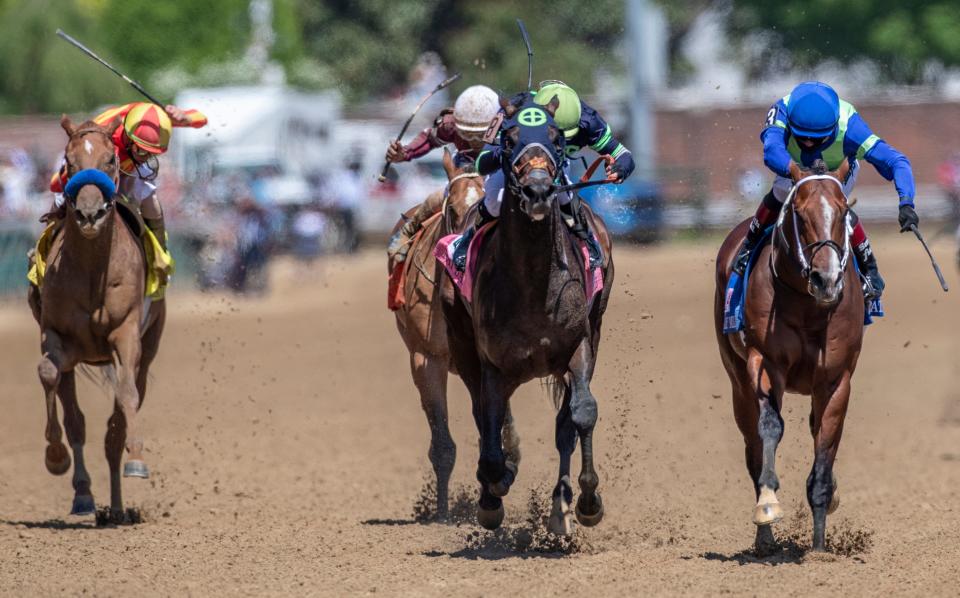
(67, 125)
(448, 164)
(551, 108)
(795, 173)
(842, 172)
(114, 124)
(508, 108)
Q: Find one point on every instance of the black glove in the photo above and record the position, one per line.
(908, 217)
(623, 166)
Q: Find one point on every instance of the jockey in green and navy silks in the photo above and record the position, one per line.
(813, 123)
(582, 128)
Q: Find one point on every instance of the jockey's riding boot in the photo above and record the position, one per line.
(399, 244)
(873, 283)
(158, 229)
(750, 242)
(460, 252)
(581, 230)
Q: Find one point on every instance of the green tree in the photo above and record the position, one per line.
(900, 37)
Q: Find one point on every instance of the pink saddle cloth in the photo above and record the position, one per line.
(464, 280)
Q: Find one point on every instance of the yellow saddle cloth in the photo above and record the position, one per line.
(160, 264)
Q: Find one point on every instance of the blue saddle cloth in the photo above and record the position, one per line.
(736, 294)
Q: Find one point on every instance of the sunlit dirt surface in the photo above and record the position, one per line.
(288, 454)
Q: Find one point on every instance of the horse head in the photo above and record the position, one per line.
(464, 188)
(93, 172)
(815, 217)
(532, 153)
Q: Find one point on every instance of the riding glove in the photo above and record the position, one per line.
(623, 166)
(908, 217)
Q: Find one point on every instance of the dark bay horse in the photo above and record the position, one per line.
(91, 310)
(530, 318)
(803, 332)
(424, 331)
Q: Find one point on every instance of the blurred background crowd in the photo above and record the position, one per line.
(303, 96)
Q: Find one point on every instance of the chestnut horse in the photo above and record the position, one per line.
(424, 331)
(530, 317)
(803, 331)
(91, 310)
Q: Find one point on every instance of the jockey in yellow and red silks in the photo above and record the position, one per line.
(145, 134)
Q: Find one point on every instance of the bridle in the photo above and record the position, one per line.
(94, 176)
(797, 247)
(446, 196)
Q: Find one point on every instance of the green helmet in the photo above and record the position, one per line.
(568, 114)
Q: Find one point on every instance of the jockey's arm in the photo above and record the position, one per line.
(437, 135)
(774, 138)
(892, 165)
(599, 137)
(488, 161)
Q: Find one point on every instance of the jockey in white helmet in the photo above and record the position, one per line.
(464, 126)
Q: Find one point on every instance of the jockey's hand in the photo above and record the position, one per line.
(395, 152)
(908, 217)
(620, 169)
(177, 115)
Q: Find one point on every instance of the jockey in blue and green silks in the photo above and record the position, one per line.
(582, 127)
(814, 123)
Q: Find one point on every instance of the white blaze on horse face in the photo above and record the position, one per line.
(88, 147)
(832, 271)
(472, 196)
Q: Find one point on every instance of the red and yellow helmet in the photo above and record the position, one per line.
(148, 126)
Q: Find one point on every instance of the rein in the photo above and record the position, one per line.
(798, 248)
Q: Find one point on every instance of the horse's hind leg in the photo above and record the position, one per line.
(75, 425)
(57, 458)
(583, 414)
(561, 516)
(828, 413)
(113, 448)
(430, 376)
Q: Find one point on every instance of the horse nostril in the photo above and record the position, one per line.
(100, 214)
(816, 279)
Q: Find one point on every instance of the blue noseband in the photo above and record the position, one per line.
(91, 176)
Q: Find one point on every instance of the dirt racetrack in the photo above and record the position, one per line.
(288, 453)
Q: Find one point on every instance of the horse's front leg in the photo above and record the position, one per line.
(826, 425)
(768, 392)
(52, 364)
(126, 351)
(583, 414)
(493, 471)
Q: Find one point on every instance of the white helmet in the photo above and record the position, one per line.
(475, 108)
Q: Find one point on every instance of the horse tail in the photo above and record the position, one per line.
(104, 376)
(557, 388)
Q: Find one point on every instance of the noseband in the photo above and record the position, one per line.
(798, 248)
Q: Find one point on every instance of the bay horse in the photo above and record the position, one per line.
(423, 329)
(803, 332)
(530, 318)
(91, 310)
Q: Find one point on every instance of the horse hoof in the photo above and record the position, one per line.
(767, 513)
(57, 459)
(135, 469)
(83, 505)
(491, 519)
(499, 489)
(589, 519)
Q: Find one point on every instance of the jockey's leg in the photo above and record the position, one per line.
(570, 204)
(152, 214)
(867, 261)
(399, 243)
(488, 210)
(765, 216)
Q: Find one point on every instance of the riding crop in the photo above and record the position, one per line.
(91, 54)
(526, 42)
(933, 262)
(386, 165)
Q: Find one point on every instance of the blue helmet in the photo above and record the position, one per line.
(813, 110)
